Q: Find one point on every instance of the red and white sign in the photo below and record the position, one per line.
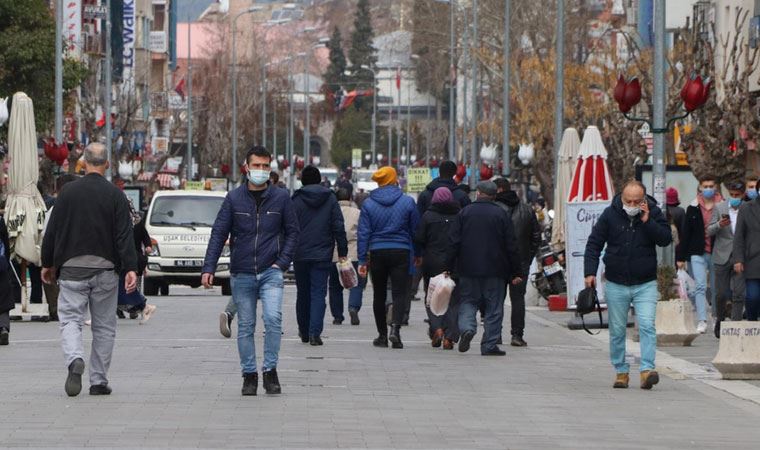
(72, 27)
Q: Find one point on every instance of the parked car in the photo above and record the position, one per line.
(363, 180)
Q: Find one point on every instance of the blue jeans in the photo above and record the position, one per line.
(336, 293)
(752, 303)
(490, 291)
(644, 299)
(700, 264)
(246, 289)
(311, 285)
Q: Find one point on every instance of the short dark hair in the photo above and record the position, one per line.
(736, 186)
(64, 179)
(704, 178)
(274, 176)
(448, 170)
(257, 150)
(503, 184)
(343, 195)
(751, 178)
(635, 183)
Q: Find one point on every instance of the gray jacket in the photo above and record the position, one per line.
(747, 239)
(723, 245)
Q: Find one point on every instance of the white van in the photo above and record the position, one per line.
(179, 224)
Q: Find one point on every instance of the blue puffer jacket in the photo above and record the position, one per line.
(322, 224)
(388, 220)
(260, 237)
(630, 257)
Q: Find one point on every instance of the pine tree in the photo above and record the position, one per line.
(335, 76)
(351, 131)
(362, 53)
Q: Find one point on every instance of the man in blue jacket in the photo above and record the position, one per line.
(322, 227)
(632, 227)
(485, 255)
(263, 229)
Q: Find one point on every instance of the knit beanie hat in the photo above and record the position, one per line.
(442, 195)
(310, 175)
(385, 176)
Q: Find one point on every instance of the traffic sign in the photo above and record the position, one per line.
(417, 179)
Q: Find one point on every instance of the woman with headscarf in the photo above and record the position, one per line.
(135, 302)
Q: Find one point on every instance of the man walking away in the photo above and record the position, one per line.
(445, 179)
(632, 227)
(385, 242)
(322, 226)
(87, 244)
(528, 235)
(261, 221)
(351, 220)
(746, 254)
(728, 284)
(696, 245)
(485, 255)
(7, 300)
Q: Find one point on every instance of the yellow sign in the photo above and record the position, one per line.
(195, 186)
(417, 179)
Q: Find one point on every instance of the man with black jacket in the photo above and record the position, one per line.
(88, 242)
(632, 227)
(528, 235)
(445, 179)
(485, 256)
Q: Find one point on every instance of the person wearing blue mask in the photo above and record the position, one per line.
(728, 284)
(751, 188)
(696, 245)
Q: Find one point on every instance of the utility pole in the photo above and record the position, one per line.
(108, 91)
(189, 156)
(475, 95)
(658, 104)
(505, 150)
(59, 71)
(398, 121)
(452, 82)
(559, 111)
(264, 107)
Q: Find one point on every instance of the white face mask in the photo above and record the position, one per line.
(632, 211)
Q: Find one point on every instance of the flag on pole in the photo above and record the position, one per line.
(180, 88)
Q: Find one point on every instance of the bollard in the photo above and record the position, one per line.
(738, 356)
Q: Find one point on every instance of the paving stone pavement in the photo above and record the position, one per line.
(177, 384)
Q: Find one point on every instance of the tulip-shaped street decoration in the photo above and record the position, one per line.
(125, 170)
(461, 171)
(695, 92)
(526, 153)
(488, 153)
(486, 172)
(3, 110)
(627, 94)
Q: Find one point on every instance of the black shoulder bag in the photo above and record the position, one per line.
(587, 301)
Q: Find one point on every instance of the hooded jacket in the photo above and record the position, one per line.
(630, 257)
(426, 197)
(432, 236)
(525, 222)
(321, 222)
(388, 220)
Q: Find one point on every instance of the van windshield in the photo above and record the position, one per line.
(185, 211)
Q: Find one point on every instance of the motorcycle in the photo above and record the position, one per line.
(549, 277)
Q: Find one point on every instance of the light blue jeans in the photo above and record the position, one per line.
(700, 265)
(246, 288)
(644, 299)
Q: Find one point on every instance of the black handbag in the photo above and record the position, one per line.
(587, 301)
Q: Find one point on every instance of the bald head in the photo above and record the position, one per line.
(96, 158)
(634, 193)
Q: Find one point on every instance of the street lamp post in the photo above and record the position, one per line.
(475, 95)
(374, 111)
(108, 91)
(59, 72)
(264, 105)
(559, 109)
(506, 112)
(452, 77)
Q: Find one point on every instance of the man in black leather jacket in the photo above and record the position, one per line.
(528, 234)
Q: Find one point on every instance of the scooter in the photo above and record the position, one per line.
(549, 278)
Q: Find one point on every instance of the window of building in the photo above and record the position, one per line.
(159, 16)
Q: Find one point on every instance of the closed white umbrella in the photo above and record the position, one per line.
(568, 155)
(25, 209)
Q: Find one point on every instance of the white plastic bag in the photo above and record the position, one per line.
(686, 284)
(347, 275)
(439, 294)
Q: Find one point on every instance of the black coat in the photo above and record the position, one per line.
(483, 243)
(527, 229)
(426, 197)
(322, 224)
(7, 300)
(432, 236)
(676, 216)
(142, 239)
(630, 257)
(693, 233)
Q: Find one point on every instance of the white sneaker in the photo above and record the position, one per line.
(702, 327)
(147, 313)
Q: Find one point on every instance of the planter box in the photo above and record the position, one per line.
(674, 322)
(738, 357)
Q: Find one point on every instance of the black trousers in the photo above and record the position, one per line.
(517, 299)
(385, 264)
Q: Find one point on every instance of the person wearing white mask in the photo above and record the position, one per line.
(696, 246)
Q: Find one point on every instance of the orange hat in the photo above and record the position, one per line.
(385, 176)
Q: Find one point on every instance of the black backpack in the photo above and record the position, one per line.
(588, 300)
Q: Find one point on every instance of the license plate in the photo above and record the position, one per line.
(551, 270)
(188, 263)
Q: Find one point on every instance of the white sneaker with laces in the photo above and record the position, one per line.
(147, 313)
(702, 327)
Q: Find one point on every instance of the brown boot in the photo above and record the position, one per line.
(621, 381)
(437, 338)
(649, 378)
(448, 344)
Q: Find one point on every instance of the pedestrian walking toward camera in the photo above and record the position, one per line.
(7, 300)
(631, 227)
(351, 220)
(385, 243)
(485, 255)
(528, 235)
(746, 254)
(134, 303)
(87, 245)
(728, 283)
(322, 228)
(696, 246)
(260, 221)
(432, 238)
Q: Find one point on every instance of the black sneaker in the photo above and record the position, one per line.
(134, 315)
(4, 336)
(304, 338)
(250, 383)
(518, 341)
(225, 324)
(120, 314)
(271, 382)
(381, 341)
(315, 341)
(100, 389)
(464, 341)
(354, 316)
(395, 337)
(337, 321)
(74, 379)
(496, 351)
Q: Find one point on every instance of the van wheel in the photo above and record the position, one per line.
(150, 287)
(226, 288)
(165, 289)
